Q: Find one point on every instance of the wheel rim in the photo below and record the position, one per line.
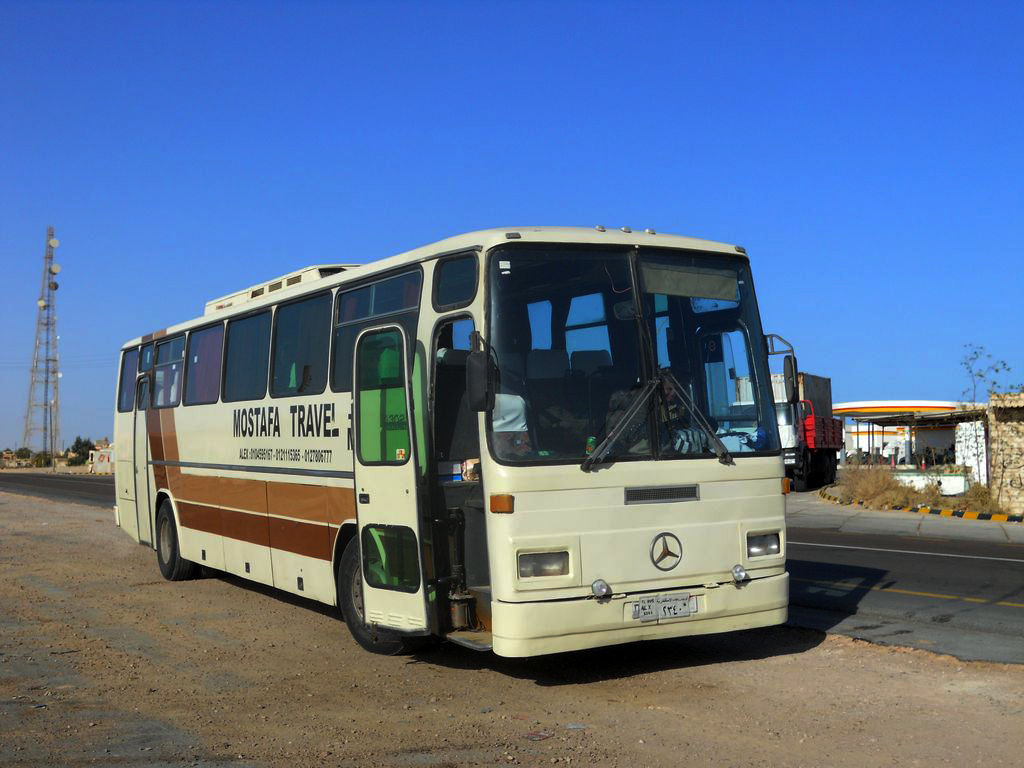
(164, 539)
(356, 590)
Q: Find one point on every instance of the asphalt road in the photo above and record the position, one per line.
(961, 597)
(964, 598)
(97, 490)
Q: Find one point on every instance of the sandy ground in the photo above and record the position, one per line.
(102, 662)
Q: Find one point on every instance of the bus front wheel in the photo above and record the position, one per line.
(350, 601)
(173, 566)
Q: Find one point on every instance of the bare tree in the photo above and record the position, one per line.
(983, 376)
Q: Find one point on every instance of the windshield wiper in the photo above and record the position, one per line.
(698, 418)
(638, 404)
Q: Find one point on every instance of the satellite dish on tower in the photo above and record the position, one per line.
(53, 242)
(55, 269)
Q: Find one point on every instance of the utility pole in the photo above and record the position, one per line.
(42, 416)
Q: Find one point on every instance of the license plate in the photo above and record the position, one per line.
(664, 607)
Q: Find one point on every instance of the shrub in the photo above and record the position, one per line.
(979, 499)
(878, 487)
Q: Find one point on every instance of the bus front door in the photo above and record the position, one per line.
(387, 499)
(143, 515)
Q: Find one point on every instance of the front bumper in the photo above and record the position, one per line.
(534, 629)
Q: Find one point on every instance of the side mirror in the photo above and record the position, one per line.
(789, 376)
(480, 381)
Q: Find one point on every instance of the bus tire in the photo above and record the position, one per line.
(173, 566)
(350, 601)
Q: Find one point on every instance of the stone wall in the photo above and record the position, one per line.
(1006, 451)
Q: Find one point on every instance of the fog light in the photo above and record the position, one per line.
(763, 544)
(533, 564)
(601, 588)
(739, 573)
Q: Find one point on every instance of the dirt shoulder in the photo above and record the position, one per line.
(103, 662)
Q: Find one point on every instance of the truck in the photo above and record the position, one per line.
(810, 435)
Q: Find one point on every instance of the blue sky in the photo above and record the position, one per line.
(868, 155)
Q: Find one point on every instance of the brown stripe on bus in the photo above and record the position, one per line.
(245, 527)
(241, 493)
(320, 504)
(292, 536)
(202, 489)
(169, 433)
(156, 444)
(301, 538)
(341, 505)
(199, 518)
(316, 503)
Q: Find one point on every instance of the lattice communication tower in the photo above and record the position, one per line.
(42, 417)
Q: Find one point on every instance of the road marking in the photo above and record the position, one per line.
(912, 593)
(909, 552)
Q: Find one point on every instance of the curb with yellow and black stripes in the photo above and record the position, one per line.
(925, 510)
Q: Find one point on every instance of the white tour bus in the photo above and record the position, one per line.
(529, 440)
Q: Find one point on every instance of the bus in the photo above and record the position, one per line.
(528, 440)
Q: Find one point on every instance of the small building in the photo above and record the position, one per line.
(892, 430)
(930, 440)
(101, 462)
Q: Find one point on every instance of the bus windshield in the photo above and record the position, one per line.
(579, 334)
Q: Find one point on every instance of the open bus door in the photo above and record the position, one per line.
(387, 499)
(143, 504)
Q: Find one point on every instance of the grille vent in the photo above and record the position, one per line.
(661, 494)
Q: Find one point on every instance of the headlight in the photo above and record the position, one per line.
(763, 544)
(534, 564)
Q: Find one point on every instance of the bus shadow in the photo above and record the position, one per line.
(822, 594)
(633, 659)
(288, 598)
(594, 665)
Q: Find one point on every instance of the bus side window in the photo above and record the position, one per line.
(396, 298)
(455, 426)
(202, 367)
(302, 335)
(455, 282)
(129, 367)
(246, 358)
(383, 420)
(167, 373)
(146, 357)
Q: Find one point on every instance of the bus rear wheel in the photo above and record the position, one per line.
(173, 566)
(350, 601)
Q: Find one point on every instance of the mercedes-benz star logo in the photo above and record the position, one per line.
(666, 551)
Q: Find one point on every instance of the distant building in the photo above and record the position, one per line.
(895, 429)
